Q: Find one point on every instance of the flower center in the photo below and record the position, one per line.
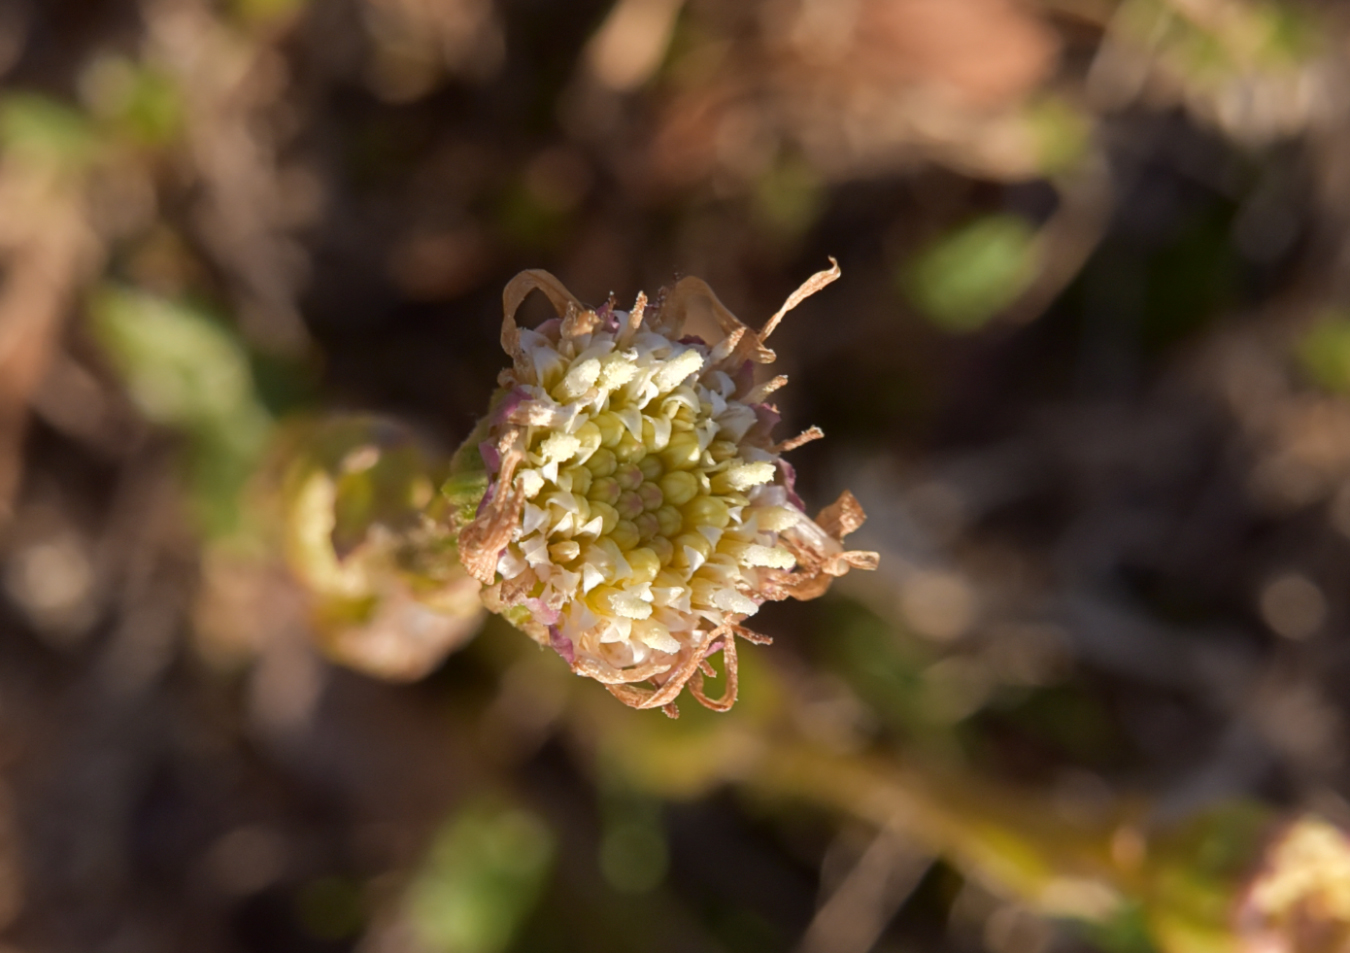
(646, 515)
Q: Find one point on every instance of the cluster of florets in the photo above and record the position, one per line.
(638, 510)
(1299, 898)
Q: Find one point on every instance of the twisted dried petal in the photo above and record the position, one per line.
(515, 293)
(669, 690)
(808, 287)
(803, 438)
(693, 294)
(609, 675)
(728, 698)
(842, 517)
(481, 542)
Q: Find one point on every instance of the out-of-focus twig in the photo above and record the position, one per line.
(229, 87)
(855, 915)
(49, 249)
(1069, 238)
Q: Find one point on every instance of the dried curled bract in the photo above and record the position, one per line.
(638, 509)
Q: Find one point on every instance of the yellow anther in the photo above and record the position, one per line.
(695, 541)
(579, 379)
(604, 490)
(645, 564)
(629, 505)
(589, 435)
(647, 525)
(670, 519)
(679, 487)
(653, 439)
(612, 601)
(625, 535)
(703, 590)
(664, 549)
(608, 514)
(656, 635)
(651, 496)
(615, 373)
(602, 463)
(771, 557)
(629, 476)
(682, 452)
(706, 511)
(775, 519)
(531, 481)
(580, 478)
(629, 449)
(674, 371)
(651, 467)
(601, 600)
(611, 428)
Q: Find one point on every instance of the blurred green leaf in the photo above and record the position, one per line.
(1267, 36)
(481, 880)
(529, 220)
(1194, 870)
(45, 132)
(1289, 36)
(330, 908)
(1061, 133)
(1324, 352)
(1125, 932)
(885, 670)
(1067, 718)
(139, 101)
(265, 12)
(965, 278)
(187, 372)
(788, 196)
(633, 852)
(183, 369)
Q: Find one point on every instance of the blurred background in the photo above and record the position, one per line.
(1087, 369)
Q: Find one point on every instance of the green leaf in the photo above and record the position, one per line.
(1324, 352)
(268, 12)
(969, 276)
(138, 101)
(1060, 132)
(789, 196)
(633, 852)
(186, 372)
(45, 131)
(481, 880)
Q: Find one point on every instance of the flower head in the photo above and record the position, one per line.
(638, 509)
(1299, 901)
